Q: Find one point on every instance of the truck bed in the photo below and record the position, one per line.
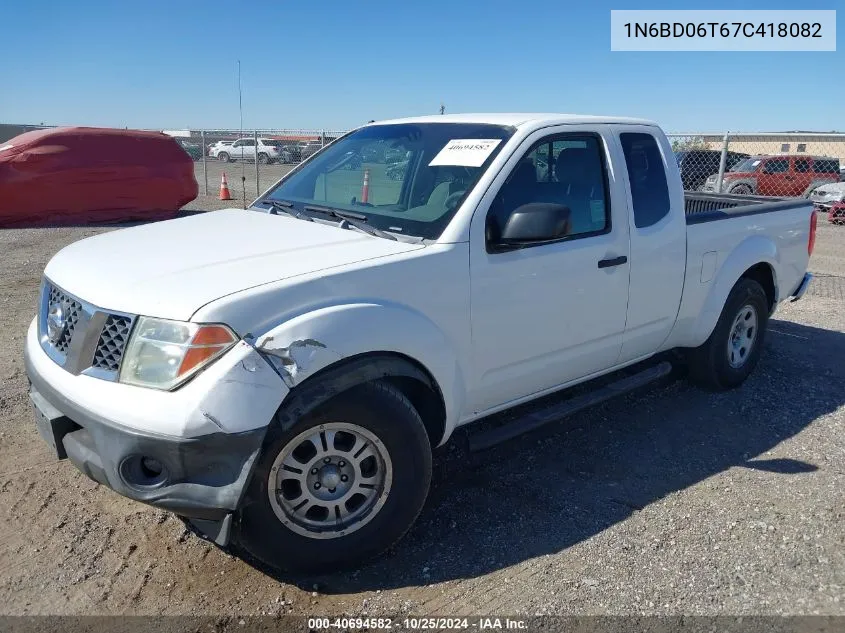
(708, 207)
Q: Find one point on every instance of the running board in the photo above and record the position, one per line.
(559, 410)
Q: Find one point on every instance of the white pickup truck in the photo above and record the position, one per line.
(280, 375)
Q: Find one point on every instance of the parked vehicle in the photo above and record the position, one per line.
(246, 148)
(826, 196)
(279, 376)
(194, 150)
(836, 213)
(213, 148)
(79, 175)
(309, 149)
(781, 176)
(289, 153)
(696, 165)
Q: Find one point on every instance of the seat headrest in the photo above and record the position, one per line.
(575, 164)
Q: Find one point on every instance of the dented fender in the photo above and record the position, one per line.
(311, 342)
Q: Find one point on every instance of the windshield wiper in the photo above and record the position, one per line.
(358, 220)
(287, 208)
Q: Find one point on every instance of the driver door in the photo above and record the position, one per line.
(548, 314)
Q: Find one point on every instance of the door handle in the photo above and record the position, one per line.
(616, 261)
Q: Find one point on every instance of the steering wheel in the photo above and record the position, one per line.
(452, 199)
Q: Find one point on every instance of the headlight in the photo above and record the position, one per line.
(162, 354)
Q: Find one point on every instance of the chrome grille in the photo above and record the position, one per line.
(112, 342)
(71, 309)
(79, 336)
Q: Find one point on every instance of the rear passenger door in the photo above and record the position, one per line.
(658, 239)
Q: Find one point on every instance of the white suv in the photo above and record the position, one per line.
(245, 149)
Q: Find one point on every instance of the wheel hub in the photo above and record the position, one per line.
(743, 336)
(330, 480)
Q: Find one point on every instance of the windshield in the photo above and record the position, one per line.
(405, 178)
(749, 164)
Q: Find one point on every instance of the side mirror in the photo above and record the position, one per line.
(536, 222)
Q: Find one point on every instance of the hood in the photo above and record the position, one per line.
(171, 269)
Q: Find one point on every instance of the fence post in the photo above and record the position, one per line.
(323, 138)
(722, 162)
(204, 165)
(255, 140)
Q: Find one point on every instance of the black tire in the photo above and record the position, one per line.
(223, 157)
(381, 409)
(742, 190)
(263, 159)
(710, 364)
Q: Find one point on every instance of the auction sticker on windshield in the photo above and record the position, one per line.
(465, 152)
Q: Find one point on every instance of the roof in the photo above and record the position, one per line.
(35, 136)
(516, 119)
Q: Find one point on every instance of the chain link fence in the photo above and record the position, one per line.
(250, 160)
(779, 165)
(789, 164)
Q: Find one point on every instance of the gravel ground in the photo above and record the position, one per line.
(241, 180)
(673, 502)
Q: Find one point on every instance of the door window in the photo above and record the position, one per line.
(826, 166)
(649, 190)
(802, 165)
(562, 169)
(776, 166)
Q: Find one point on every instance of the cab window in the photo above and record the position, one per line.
(563, 169)
(649, 191)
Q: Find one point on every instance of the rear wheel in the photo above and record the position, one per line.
(263, 158)
(731, 352)
(340, 486)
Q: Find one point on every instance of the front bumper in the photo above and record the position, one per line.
(203, 476)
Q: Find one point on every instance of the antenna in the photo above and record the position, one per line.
(241, 112)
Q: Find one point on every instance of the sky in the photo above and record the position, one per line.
(332, 65)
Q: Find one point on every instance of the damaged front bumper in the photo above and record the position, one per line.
(203, 477)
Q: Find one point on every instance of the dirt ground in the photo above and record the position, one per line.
(673, 502)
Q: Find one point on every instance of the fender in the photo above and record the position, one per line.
(750, 252)
(313, 341)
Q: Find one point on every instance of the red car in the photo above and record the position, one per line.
(836, 215)
(780, 176)
(78, 175)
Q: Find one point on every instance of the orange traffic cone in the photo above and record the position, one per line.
(224, 189)
(365, 188)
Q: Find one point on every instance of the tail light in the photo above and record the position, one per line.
(811, 240)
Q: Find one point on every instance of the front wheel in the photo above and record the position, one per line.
(341, 485)
(223, 157)
(731, 352)
(263, 159)
(742, 190)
